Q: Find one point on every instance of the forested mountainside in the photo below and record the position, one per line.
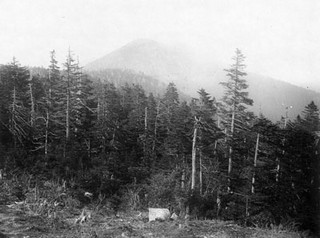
(167, 64)
(206, 158)
(120, 77)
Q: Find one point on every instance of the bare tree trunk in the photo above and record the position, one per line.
(194, 154)
(229, 168)
(255, 163)
(145, 132)
(146, 119)
(232, 120)
(231, 150)
(32, 113)
(46, 137)
(200, 172)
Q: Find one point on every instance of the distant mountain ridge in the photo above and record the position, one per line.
(151, 58)
(167, 64)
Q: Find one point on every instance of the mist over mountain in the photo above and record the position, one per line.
(170, 64)
(150, 58)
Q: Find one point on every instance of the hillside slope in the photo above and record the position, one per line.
(166, 64)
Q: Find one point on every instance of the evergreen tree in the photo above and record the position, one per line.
(84, 120)
(38, 108)
(72, 77)
(14, 100)
(206, 133)
(55, 88)
(266, 146)
(151, 130)
(235, 99)
(297, 185)
(170, 104)
(167, 131)
(108, 126)
(311, 119)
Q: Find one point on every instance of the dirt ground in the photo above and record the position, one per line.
(15, 221)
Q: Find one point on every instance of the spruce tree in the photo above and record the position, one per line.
(72, 78)
(311, 120)
(206, 133)
(235, 101)
(55, 110)
(15, 101)
(150, 133)
(168, 121)
(108, 122)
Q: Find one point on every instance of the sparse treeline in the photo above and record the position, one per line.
(207, 158)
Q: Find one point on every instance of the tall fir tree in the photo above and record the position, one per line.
(14, 100)
(72, 78)
(204, 113)
(311, 120)
(236, 101)
(167, 130)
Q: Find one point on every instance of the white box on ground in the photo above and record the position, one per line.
(159, 213)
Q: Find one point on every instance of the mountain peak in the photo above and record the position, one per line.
(142, 42)
(150, 57)
(169, 64)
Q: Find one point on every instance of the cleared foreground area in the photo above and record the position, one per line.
(16, 220)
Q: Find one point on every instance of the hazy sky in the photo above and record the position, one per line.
(280, 38)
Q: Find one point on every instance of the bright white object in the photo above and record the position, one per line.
(159, 214)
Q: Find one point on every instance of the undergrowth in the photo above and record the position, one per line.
(60, 202)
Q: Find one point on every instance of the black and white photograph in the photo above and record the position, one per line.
(159, 118)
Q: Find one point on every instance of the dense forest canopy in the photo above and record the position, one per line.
(208, 157)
